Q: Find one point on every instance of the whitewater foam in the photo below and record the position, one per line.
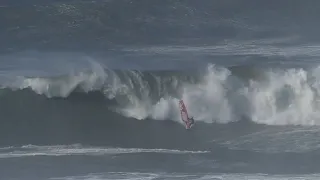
(281, 97)
(288, 96)
(87, 81)
(285, 98)
(206, 101)
(77, 149)
(178, 176)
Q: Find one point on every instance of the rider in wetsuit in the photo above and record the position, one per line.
(191, 121)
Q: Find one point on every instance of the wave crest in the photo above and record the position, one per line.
(267, 96)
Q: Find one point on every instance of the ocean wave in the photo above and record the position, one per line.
(218, 94)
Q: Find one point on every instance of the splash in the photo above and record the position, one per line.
(206, 101)
(286, 97)
(216, 95)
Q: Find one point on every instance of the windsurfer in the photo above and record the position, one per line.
(190, 122)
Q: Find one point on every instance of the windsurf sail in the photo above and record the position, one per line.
(184, 114)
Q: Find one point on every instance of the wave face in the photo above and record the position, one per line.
(216, 94)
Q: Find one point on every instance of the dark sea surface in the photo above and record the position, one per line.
(89, 90)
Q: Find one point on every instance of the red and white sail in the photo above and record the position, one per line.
(184, 114)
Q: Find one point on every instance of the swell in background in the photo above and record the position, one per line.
(91, 26)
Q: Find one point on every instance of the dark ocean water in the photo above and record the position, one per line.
(90, 89)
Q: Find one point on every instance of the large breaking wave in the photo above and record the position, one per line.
(271, 96)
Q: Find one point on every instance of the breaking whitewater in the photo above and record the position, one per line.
(214, 94)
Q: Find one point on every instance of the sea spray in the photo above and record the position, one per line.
(217, 95)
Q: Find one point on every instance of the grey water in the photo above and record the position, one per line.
(90, 89)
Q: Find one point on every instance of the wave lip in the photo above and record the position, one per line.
(271, 96)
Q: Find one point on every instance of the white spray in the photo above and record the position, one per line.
(283, 97)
